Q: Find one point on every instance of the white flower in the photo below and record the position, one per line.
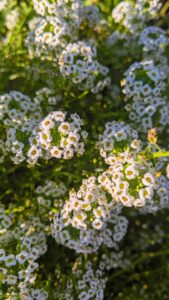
(81, 284)
(58, 116)
(34, 152)
(85, 206)
(64, 236)
(44, 137)
(99, 212)
(22, 274)
(6, 222)
(146, 193)
(146, 90)
(126, 200)
(79, 224)
(32, 266)
(47, 123)
(76, 204)
(154, 74)
(34, 253)
(147, 123)
(120, 136)
(139, 202)
(11, 279)
(73, 138)
(122, 186)
(56, 152)
(10, 260)
(68, 154)
(136, 144)
(17, 147)
(64, 127)
(80, 215)
(131, 172)
(108, 144)
(84, 134)
(110, 160)
(97, 224)
(148, 179)
(22, 257)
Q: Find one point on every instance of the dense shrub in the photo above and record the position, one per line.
(84, 124)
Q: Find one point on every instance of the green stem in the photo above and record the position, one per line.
(161, 154)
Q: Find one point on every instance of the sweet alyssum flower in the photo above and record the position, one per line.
(145, 85)
(83, 222)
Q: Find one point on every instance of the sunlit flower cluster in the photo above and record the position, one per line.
(56, 38)
(82, 224)
(55, 137)
(130, 180)
(28, 136)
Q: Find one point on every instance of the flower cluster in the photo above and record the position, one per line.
(160, 199)
(82, 224)
(64, 9)
(153, 39)
(144, 79)
(132, 35)
(87, 281)
(48, 38)
(131, 178)
(144, 88)
(18, 268)
(133, 15)
(29, 137)
(49, 196)
(18, 109)
(18, 116)
(57, 138)
(117, 137)
(60, 24)
(154, 43)
(79, 61)
(55, 38)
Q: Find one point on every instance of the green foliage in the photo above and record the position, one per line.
(99, 96)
